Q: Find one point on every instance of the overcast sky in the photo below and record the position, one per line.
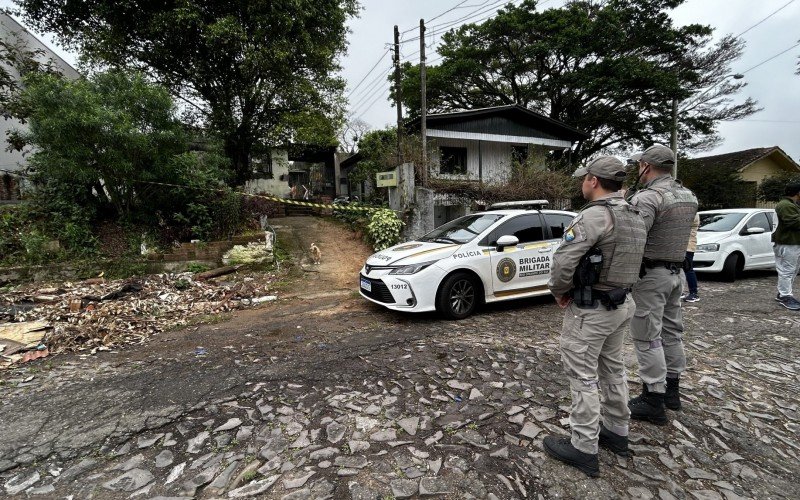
(773, 84)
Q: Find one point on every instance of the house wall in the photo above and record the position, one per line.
(278, 185)
(12, 32)
(763, 169)
(493, 159)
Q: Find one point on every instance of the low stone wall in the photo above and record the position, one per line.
(206, 253)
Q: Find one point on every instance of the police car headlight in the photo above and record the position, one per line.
(709, 247)
(411, 268)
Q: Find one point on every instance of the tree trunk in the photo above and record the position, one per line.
(238, 149)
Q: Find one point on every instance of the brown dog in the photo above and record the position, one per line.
(316, 254)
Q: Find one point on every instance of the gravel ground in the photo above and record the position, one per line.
(323, 395)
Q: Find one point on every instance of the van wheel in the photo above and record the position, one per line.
(731, 268)
(458, 296)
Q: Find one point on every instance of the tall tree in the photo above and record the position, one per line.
(251, 67)
(611, 68)
(351, 133)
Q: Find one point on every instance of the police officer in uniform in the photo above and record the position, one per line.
(668, 210)
(592, 272)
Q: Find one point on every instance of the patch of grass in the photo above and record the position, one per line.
(182, 284)
(250, 476)
(196, 267)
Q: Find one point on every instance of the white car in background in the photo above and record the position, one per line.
(500, 254)
(734, 240)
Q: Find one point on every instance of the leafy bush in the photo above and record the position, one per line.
(26, 231)
(771, 189)
(383, 229)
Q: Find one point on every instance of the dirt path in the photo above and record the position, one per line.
(343, 254)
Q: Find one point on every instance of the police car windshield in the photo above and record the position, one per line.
(462, 230)
(719, 222)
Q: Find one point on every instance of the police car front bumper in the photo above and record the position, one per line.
(414, 293)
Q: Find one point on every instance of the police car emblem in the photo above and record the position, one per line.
(506, 270)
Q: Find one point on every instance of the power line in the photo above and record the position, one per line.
(367, 88)
(475, 13)
(761, 21)
(369, 72)
(366, 97)
(765, 61)
(458, 5)
(377, 90)
(372, 103)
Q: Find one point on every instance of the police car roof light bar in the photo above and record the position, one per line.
(520, 205)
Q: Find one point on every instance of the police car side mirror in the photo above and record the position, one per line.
(755, 230)
(506, 241)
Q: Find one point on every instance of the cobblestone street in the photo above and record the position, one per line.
(332, 397)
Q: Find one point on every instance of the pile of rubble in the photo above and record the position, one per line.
(99, 314)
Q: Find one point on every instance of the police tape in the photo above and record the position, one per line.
(287, 201)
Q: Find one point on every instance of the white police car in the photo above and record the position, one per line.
(500, 254)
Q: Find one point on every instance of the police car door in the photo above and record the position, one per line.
(525, 267)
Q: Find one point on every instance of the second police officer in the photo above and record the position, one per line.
(668, 210)
(592, 272)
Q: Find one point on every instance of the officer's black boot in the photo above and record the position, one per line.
(613, 442)
(672, 398)
(649, 406)
(561, 448)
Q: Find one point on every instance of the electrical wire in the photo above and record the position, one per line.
(368, 73)
(478, 12)
(761, 21)
(378, 90)
(372, 103)
(364, 99)
(458, 5)
(765, 61)
(368, 87)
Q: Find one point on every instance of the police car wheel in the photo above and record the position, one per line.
(458, 296)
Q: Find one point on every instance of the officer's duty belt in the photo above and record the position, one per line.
(608, 298)
(672, 266)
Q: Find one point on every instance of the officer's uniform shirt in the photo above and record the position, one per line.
(590, 226)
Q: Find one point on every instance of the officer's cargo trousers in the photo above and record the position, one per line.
(657, 327)
(591, 352)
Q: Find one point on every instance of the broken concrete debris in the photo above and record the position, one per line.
(98, 314)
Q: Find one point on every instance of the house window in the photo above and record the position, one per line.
(519, 154)
(452, 160)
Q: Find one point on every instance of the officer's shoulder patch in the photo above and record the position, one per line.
(575, 232)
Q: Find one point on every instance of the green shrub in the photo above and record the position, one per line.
(383, 229)
(194, 267)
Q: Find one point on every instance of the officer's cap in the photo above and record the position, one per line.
(607, 167)
(657, 155)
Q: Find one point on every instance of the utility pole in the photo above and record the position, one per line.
(423, 103)
(397, 101)
(673, 140)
